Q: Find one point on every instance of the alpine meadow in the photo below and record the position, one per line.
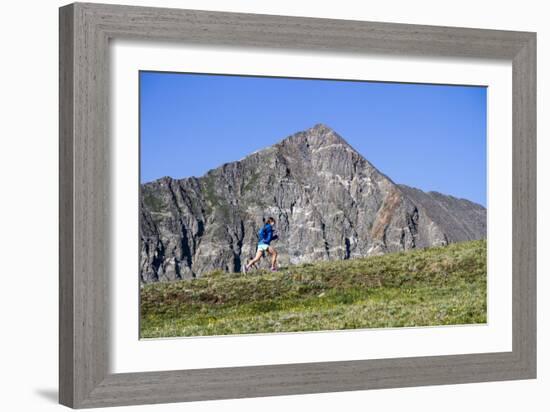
(245, 231)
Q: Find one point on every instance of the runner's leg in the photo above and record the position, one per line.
(274, 255)
(256, 259)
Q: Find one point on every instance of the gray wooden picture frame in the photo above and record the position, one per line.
(85, 31)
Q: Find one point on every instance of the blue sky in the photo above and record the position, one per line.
(432, 137)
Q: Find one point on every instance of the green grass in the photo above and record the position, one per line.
(436, 286)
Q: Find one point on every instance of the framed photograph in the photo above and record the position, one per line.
(257, 205)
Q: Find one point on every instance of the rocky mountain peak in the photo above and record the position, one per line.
(321, 129)
(328, 200)
(316, 138)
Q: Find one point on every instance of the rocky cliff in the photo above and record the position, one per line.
(328, 200)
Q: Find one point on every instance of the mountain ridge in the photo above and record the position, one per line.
(329, 202)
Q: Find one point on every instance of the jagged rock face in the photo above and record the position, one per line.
(329, 202)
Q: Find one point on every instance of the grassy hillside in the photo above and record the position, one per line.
(437, 286)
